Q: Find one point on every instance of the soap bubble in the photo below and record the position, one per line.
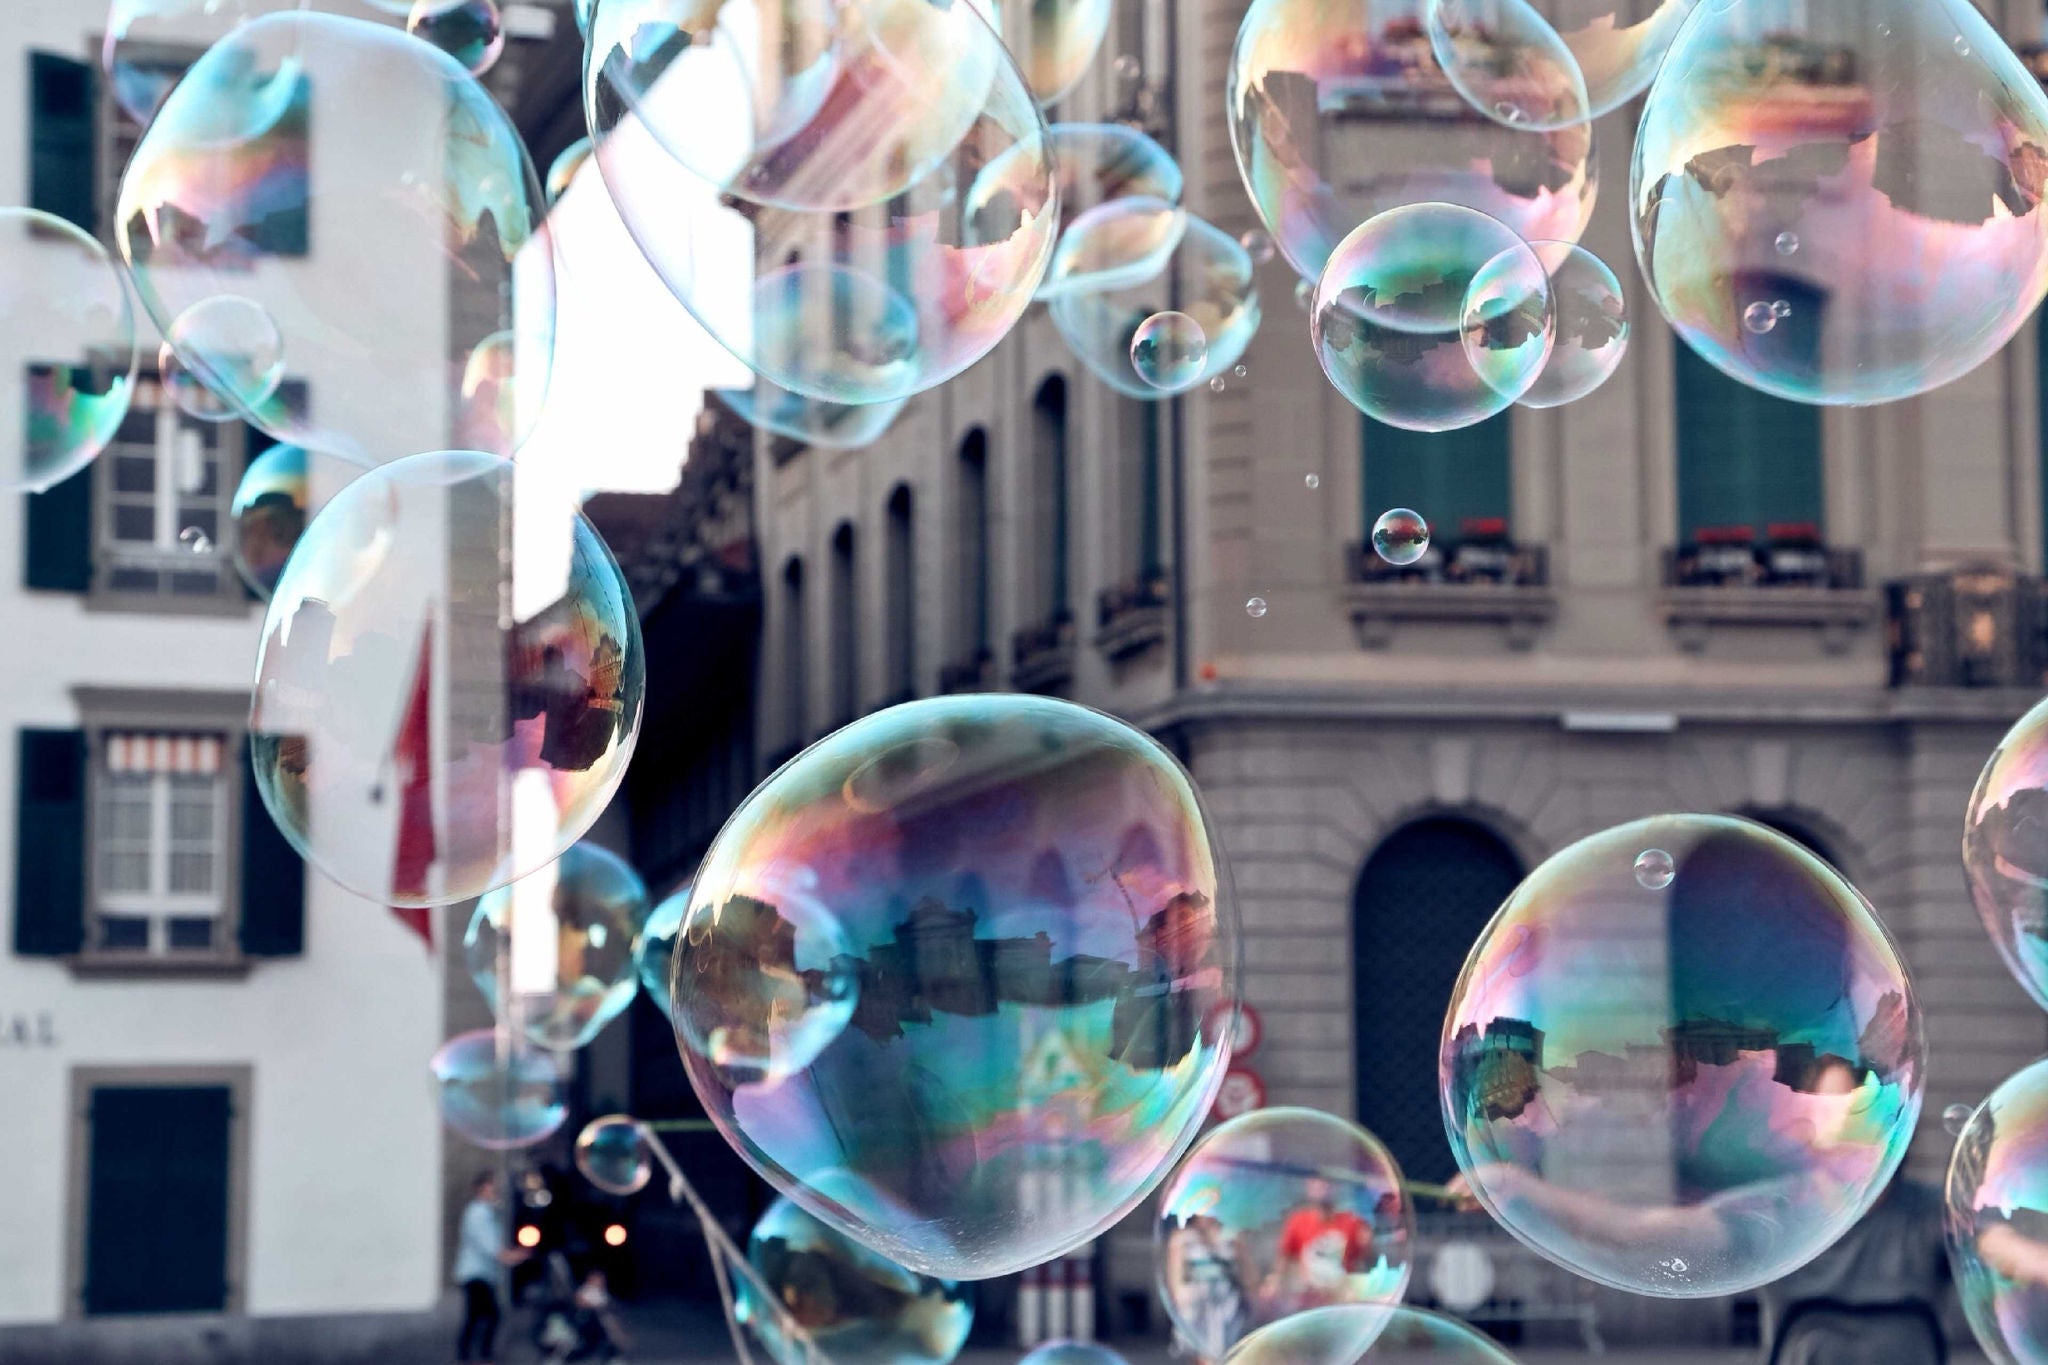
(221, 357)
(71, 332)
(470, 31)
(562, 170)
(815, 422)
(1654, 869)
(841, 264)
(499, 1094)
(1056, 41)
(1096, 164)
(612, 1154)
(1043, 941)
(1399, 536)
(1072, 1353)
(657, 945)
(1122, 245)
(270, 511)
(1339, 112)
(566, 934)
(1955, 1118)
(1368, 1334)
(450, 681)
(1997, 1218)
(147, 42)
(1255, 607)
(1206, 277)
(1924, 245)
(1312, 481)
(1686, 1091)
(1412, 298)
(1591, 326)
(1257, 245)
(1168, 351)
(385, 268)
(1508, 62)
(858, 1307)
(1273, 1212)
(2005, 850)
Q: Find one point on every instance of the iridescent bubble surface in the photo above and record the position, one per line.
(187, 391)
(450, 681)
(1997, 1218)
(1275, 1212)
(71, 334)
(383, 269)
(845, 265)
(1094, 164)
(269, 515)
(1592, 326)
(562, 170)
(815, 422)
(2005, 850)
(1123, 244)
(1689, 1090)
(498, 1093)
(657, 944)
(147, 43)
(612, 1154)
(1169, 351)
(1071, 1353)
(1206, 276)
(1508, 62)
(1613, 46)
(1054, 41)
(562, 938)
(1043, 942)
(470, 31)
(1899, 142)
(1361, 1334)
(1432, 317)
(221, 357)
(1399, 536)
(1339, 111)
(858, 1307)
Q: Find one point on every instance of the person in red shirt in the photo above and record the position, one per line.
(1321, 1247)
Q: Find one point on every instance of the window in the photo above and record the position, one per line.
(1458, 480)
(902, 589)
(1749, 464)
(1049, 547)
(61, 174)
(166, 482)
(796, 721)
(845, 626)
(159, 845)
(974, 622)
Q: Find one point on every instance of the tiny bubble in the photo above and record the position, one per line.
(1955, 1118)
(1962, 46)
(1216, 385)
(1788, 242)
(1256, 607)
(1759, 317)
(1314, 481)
(1241, 372)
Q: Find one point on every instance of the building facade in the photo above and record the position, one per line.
(1673, 595)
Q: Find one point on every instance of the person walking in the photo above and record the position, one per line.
(480, 1256)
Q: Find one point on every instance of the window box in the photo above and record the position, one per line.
(1729, 577)
(1485, 579)
(974, 674)
(1131, 619)
(1042, 656)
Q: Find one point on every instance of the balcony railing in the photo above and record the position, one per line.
(1487, 557)
(1482, 577)
(1042, 656)
(1785, 556)
(975, 673)
(1980, 626)
(1131, 618)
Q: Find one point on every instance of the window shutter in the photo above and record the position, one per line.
(1744, 458)
(49, 845)
(61, 138)
(59, 535)
(1450, 477)
(273, 880)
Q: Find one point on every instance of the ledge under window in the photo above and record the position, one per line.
(1485, 581)
(1042, 656)
(156, 966)
(1131, 619)
(1787, 579)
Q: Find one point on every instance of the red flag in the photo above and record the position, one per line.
(411, 754)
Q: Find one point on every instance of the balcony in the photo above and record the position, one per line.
(1730, 576)
(975, 673)
(1042, 656)
(1978, 626)
(1131, 619)
(1482, 577)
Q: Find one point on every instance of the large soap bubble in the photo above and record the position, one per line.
(1868, 173)
(1206, 279)
(857, 1306)
(1054, 41)
(1358, 1334)
(383, 268)
(2005, 850)
(68, 347)
(1432, 317)
(1275, 1212)
(566, 935)
(813, 421)
(1587, 56)
(1682, 1075)
(1998, 1218)
(497, 1092)
(450, 681)
(147, 43)
(1043, 943)
(843, 264)
(1339, 111)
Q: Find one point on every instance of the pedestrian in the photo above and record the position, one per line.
(480, 1257)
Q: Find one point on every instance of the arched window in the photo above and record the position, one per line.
(975, 589)
(901, 551)
(1048, 548)
(1458, 480)
(845, 627)
(1422, 898)
(796, 721)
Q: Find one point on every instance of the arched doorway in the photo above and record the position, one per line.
(1422, 898)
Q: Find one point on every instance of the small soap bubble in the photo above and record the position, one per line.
(1255, 607)
(1314, 481)
(498, 1092)
(1759, 318)
(1787, 243)
(1400, 536)
(470, 31)
(1955, 1118)
(1168, 350)
(1242, 372)
(1218, 384)
(612, 1154)
(1780, 309)
(1654, 869)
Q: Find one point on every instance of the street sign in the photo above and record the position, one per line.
(1241, 1092)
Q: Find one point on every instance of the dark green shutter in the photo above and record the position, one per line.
(49, 844)
(58, 539)
(61, 138)
(1744, 458)
(156, 1238)
(1149, 562)
(273, 880)
(1451, 477)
